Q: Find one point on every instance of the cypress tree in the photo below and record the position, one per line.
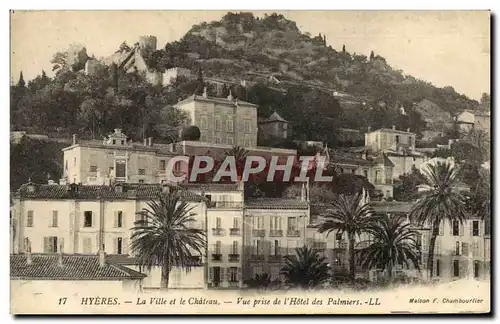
(21, 82)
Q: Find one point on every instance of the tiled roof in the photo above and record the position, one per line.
(90, 192)
(223, 101)
(388, 130)
(127, 260)
(276, 203)
(274, 117)
(129, 147)
(74, 267)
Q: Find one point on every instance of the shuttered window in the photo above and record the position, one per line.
(30, 219)
(50, 244)
(54, 219)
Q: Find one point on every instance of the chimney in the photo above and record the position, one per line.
(61, 251)
(102, 256)
(393, 127)
(150, 141)
(74, 139)
(29, 258)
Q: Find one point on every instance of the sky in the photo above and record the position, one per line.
(446, 48)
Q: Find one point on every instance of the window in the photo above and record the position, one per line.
(257, 246)
(410, 140)
(276, 247)
(457, 248)
(163, 165)
(341, 170)
(50, 244)
(142, 172)
(120, 170)
(234, 248)
(476, 269)
(247, 126)
(203, 138)
(66, 165)
(475, 228)
(456, 268)
(229, 125)
(29, 219)
(217, 140)
(74, 161)
(366, 173)
(87, 219)
(487, 227)
(119, 245)
(455, 228)
(338, 236)
(233, 274)
(217, 124)
(114, 142)
(275, 222)
(339, 255)
(353, 171)
(204, 122)
(397, 139)
(54, 219)
(230, 140)
(218, 222)
(119, 218)
(438, 268)
(246, 140)
(177, 166)
(93, 168)
(258, 222)
(123, 142)
(141, 180)
(292, 223)
(236, 222)
(217, 247)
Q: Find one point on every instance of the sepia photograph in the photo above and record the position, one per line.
(250, 162)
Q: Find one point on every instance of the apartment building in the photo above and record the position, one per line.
(222, 120)
(83, 218)
(115, 159)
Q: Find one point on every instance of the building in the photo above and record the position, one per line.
(42, 273)
(392, 139)
(274, 127)
(115, 159)
(172, 74)
(222, 120)
(470, 119)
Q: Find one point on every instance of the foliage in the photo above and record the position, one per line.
(439, 202)
(307, 271)
(164, 236)
(393, 243)
(191, 133)
(405, 188)
(262, 281)
(350, 215)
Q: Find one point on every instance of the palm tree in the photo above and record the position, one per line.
(239, 153)
(307, 270)
(351, 215)
(163, 237)
(439, 202)
(393, 242)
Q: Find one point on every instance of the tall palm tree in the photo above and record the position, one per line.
(307, 270)
(163, 237)
(351, 215)
(439, 201)
(393, 242)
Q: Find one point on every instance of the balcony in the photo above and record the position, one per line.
(234, 231)
(216, 257)
(257, 257)
(293, 233)
(259, 232)
(276, 233)
(274, 258)
(218, 232)
(225, 204)
(234, 257)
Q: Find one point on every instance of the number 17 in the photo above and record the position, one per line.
(62, 301)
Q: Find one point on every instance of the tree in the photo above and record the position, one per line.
(372, 55)
(348, 214)
(343, 48)
(21, 82)
(191, 133)
(393, 243)
(306, 271)
(163, 236)
(405, 188)
(439, 202)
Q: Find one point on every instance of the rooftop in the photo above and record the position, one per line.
(390, 130)
(224, 101)
(383, 160)
(139, 191)
(276, 203)
(275, 117)
(74, 267)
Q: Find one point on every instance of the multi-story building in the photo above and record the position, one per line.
(468, 120)
(116, 160)
(87, 218)
(274, 127)
(222, 120)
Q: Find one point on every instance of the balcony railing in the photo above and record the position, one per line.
(293, 233)
(257, 257)
(225, 204)
(259, 232)
(275, 258)
(276, 233)
(234, 231)
(218, 231)
(216, 257)
(234, 257)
